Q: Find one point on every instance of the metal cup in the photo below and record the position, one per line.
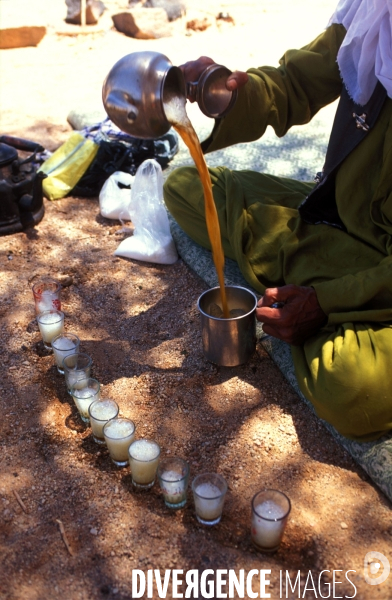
(228, 342)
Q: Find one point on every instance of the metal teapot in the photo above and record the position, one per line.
(138, 85)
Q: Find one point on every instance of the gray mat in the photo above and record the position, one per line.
(298, 155)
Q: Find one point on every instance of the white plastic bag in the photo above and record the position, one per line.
(151, 240)
(113, 200)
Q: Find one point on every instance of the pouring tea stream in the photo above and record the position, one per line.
(144, 95)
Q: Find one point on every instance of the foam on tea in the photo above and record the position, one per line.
(176, 115)
(214, 310)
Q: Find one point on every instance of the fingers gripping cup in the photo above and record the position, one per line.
(143, 460)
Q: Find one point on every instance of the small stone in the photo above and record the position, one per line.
(142, 23)
(94, 9)
(40, 349)
(32, 326)
(66, 281)
(224, 16)
(343, 525)
(198, 24)
(94, 531)
(175, 9)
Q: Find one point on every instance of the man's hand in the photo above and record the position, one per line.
(297, 316)
(194, 68)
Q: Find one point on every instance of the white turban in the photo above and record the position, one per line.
(365, 55)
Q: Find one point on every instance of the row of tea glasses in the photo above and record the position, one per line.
(270, 508)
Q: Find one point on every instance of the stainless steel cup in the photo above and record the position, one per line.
(228, 342)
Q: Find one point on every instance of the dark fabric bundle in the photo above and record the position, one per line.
(124, 156)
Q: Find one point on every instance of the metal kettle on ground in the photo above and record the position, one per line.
(139, 84)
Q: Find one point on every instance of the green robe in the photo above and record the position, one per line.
(343, 368)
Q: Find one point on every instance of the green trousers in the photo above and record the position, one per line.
(342, 369)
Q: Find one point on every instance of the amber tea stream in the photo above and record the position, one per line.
(176, 115)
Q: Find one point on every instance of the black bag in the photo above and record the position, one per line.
(127, 156)
(21, 198)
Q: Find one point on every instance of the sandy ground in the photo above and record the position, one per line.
(140, 325)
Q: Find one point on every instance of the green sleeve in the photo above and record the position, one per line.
(291, 94)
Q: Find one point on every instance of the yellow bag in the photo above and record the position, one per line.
(67, 165)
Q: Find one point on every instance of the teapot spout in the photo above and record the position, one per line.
(133, 92)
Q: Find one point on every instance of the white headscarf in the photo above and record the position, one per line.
(365, 55)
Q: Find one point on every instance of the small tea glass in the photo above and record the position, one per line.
(76, 366)
(63, 345)
(84, 392)
(143, 460)
(100, 412)
(173, 474)
(270, 511)
(51, 324)
(209, 492)
(119, 434)
(46, 295)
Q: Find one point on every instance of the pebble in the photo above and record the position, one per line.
(66, 281)
(94, 531)
(343, 525)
